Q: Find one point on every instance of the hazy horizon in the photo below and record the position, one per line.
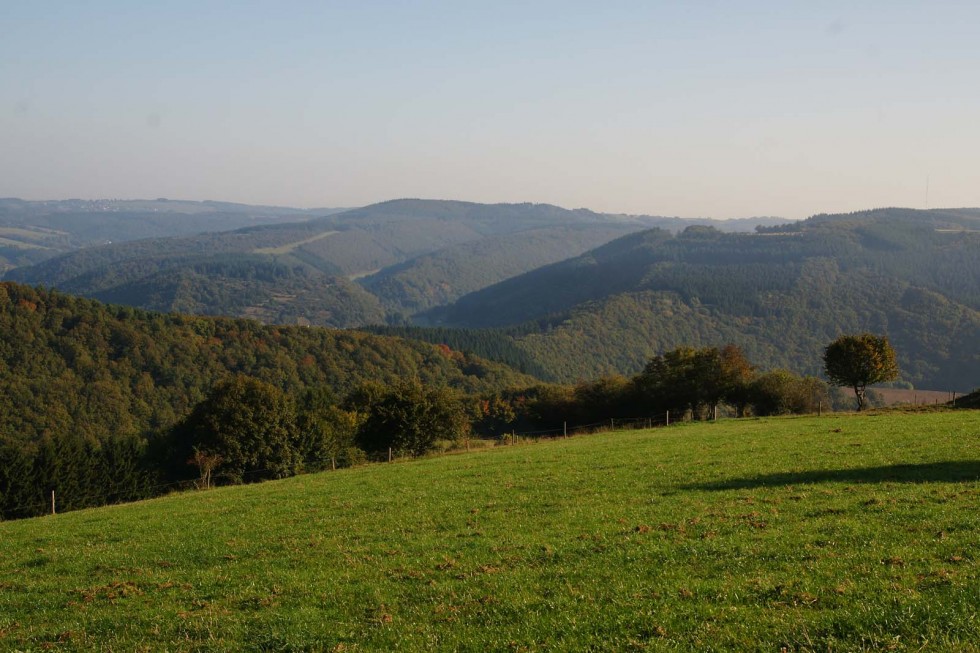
(707, 110)
(463, 200)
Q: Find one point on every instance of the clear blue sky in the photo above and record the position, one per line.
(681, 108)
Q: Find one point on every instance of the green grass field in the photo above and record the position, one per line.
(841, 533)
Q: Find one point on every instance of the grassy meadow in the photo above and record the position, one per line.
(840, 533)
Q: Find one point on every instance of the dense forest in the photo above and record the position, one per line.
(780, 295)
(446, 275)
(406, 255)
(101, 404)
(249, 286)
(73, 365)
(493, 344)
(931, 249)
(82, 381)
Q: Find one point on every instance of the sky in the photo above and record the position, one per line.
(689, 108)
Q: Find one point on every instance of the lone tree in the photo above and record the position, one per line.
(245, 430)
(859, 361)
(696, 380)
(407, 417)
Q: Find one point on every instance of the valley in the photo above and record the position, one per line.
(579, 293)
(516, 327)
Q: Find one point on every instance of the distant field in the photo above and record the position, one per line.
(893, 396)
(36, 233)
(19, 244)
(290, 247)
(841, 533)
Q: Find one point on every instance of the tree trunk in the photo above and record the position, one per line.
(859, 393)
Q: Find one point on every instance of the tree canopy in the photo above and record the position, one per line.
(692, 379)
(408, 417)
(247, 423)
(857, 361)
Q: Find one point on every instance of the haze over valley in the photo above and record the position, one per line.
(507, 326)
(566, 288)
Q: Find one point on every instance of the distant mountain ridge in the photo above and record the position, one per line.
(33, 231)
(577, 293)
(781, 294)
(379, 263)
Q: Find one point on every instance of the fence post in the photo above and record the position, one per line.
(819, 406)
(668, 418)
(333, 463)
(564, 429)
(389, 454)
(52, 502)
(612, 424)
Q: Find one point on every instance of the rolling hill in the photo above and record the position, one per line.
(405, 256)
(781, 294)
(446, 275)
(33, 231)
(73, 367)
(577, 293)
(302, 272)
(854, 533)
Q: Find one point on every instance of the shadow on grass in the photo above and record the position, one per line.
(942, 472)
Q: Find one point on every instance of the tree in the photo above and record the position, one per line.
(669, 382)
(409, 417)
(695, 379)
(859, 361)
(608, 396)
(249, 425)
(494, 416)
(780, 392)
(737, 374)
(326, 432)
(205, 463)
(769, 393)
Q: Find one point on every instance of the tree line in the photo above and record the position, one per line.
(90, 392)
(247, 429)
(103, 404)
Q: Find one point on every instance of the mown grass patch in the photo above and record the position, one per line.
(834, 533)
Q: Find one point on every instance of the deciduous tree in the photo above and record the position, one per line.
(857, 361)
(410, 417)
(249, 424)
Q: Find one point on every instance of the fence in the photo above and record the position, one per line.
(37, 508)
(612, 424)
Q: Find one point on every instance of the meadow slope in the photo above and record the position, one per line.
(799, 534)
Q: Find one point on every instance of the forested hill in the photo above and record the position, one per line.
(781, 294)
(384, 262)
(303, 272)
(75, 367)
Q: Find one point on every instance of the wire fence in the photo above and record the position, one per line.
(139, 492)
(69, 501)
(612, 424)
